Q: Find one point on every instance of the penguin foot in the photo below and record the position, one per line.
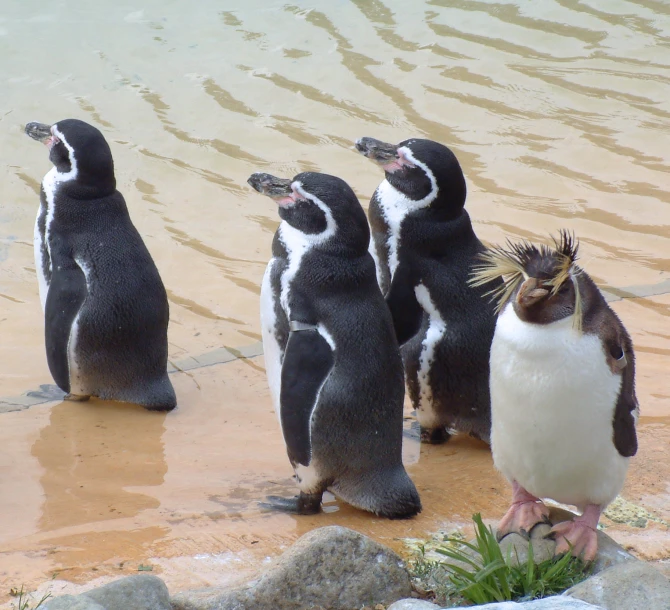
(303, 504)
(434, 436)
(579, 536)
(524, 514)
(76, 397)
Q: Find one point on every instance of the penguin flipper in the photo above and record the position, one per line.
(308, 360)
(67, 293)
(405, 308)
(620, 357)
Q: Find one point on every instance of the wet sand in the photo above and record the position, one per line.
(99, 489)
(559, 113)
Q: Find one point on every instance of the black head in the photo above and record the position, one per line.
(423, 170)
(319, 206)
(542, 282)
(78, 150)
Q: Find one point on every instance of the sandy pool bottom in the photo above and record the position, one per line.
(94, 491)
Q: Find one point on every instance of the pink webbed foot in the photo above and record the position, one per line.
(578, 536)
(525, 513)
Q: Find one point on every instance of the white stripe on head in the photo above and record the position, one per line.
(50, 184)
(72, 174)
(395, 206)
(298, 243)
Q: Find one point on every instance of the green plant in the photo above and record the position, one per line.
(483, 575)
(24, 601)
(490, 577)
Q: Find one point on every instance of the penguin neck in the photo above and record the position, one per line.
(78, 186)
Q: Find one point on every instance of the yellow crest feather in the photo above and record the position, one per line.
(511, 263)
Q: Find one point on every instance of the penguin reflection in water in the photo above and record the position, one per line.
(106, 310)
(332, 360)
(424, 247)
(562, 391)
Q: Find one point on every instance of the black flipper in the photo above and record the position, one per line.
(625, 437)
(405, 309)
(308, 360)
(67, 292)
(304, 504)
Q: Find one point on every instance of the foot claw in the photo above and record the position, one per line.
(303, 504)
(575, 537)
(76, 397)
(434, 436)
(522, 517)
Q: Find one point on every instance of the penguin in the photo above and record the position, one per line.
(424, 248)
(563, 398)
(333, 363)
(105, 306)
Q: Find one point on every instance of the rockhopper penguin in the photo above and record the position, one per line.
(331, 356)
(424, 247)
(105, 307)
(562, 390)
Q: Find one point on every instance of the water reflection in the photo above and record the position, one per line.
(92, 455)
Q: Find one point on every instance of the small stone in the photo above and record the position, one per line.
(558, 602)
(625, 586)
(332, 566)
(141, 592)
(413, 604)
(72, 602)
(517, 546)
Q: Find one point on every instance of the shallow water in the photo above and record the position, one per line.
(559, 112)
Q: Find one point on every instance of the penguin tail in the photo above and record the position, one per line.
(153, 394)
(387, 493)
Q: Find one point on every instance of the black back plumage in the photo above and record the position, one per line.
(354, 431)
(437, 247)
(103, 276)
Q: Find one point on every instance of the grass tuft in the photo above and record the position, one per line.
(479, 573)
(24, 601)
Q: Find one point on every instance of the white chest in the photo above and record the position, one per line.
(394, 207)
(552, 401)
(296, 245)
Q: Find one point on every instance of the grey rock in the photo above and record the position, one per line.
(609, 552)
(331, 567)
(626, 586)
(413, 604)
(72, 602)
(141, 592)
(558, 602)
(517, 546)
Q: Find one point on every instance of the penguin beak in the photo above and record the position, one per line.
(387, 155)
(529, 293)
(41, 133)
(278, 189)
(377, 151)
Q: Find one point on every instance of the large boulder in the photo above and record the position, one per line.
(72, 602)
(331, 567)
(140, 592)
(624, 587)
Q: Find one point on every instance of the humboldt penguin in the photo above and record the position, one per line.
(105, 307)
(424, 248)
(332, 359)
(562, 390)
